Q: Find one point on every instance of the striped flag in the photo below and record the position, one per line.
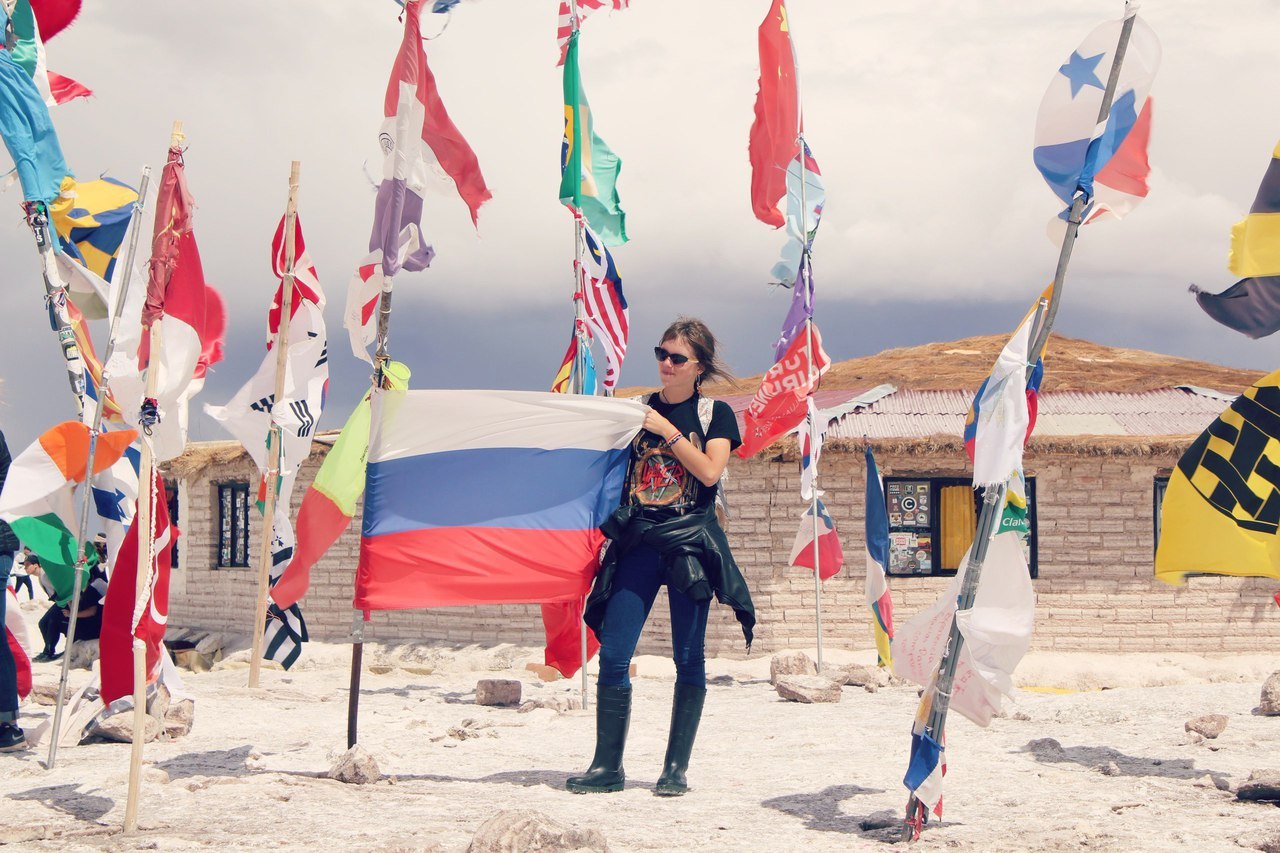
(878, 597)
(585, 8)
(830, 553)
(928, 763)
(604, 305)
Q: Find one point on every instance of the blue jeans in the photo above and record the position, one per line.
(635, 586)
(8, 669)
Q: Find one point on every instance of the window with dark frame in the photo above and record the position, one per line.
(171, 492)
(233, 525)
(1159, 486)
(932, 522)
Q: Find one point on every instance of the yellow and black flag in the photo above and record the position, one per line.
(1221, 510)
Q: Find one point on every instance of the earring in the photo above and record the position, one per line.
(697, 383)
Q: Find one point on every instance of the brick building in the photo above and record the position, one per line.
(1112, 424)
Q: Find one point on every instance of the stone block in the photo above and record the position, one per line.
(808, 689)
(498, 691)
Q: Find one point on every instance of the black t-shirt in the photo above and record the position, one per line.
(655, 477)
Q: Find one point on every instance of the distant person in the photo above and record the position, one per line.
(666, 533)
(12, 737)
(21, 577)
(53, 624)
(100, 545)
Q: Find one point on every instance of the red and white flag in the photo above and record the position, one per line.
(124, 616)
(780, 404)
(830, 553)
(15, 635)
(192, 318)
(585, 7)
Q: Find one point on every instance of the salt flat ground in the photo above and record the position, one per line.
(767, 774)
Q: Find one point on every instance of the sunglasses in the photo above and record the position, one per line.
(676, 358)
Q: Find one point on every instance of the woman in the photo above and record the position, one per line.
(666, 532)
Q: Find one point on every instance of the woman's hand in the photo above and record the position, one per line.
(657, 424)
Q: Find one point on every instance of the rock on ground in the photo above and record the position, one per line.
(808, 688)
(179, 718)
(1269, 702)
(1209, 725)
(356, 767)
(498, 691)
(559, 704)
(790, 663)
(858, 675)
(119, 728)
(1261, 785)
(517, 830)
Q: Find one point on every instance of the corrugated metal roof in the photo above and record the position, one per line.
(916, 414)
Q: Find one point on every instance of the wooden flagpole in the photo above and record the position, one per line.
(95, 425)
(993, 496)
(146, 561)
(275, 437)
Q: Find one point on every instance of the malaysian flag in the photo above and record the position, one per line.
(585, 7)
(604, 305)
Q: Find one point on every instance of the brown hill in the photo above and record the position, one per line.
(1071, 364)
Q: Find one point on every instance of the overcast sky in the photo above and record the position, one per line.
(919, 114)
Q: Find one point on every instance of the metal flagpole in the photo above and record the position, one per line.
(805, 260)
(275, 437)
(993, 497)
(83, 536)
(577, 380)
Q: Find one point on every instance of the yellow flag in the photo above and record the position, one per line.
(1221, 509)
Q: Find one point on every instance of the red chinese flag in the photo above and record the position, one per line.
(774, 140)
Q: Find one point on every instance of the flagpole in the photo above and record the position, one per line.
(145, 524)
(275, 436)
(55, 296)
(577, 380)
(993, 496)
(95, 425)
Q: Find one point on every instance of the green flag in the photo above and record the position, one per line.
(588, 167)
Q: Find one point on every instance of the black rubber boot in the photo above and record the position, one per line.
(686, 711)
(613, 715)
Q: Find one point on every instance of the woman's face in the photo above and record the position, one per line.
(678, 375)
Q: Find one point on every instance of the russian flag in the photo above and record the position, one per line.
(488, 497)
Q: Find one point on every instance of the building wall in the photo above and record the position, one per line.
(1095, 590)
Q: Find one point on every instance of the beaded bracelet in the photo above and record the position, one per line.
(675, 438)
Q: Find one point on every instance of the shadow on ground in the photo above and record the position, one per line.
(222, 762)
(1100, 758)
(69, 800)
(821, 810)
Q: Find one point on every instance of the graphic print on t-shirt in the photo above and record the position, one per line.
(658, 478)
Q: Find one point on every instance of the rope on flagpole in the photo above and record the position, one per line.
(993, 496)
(275, 437)
(81, 567)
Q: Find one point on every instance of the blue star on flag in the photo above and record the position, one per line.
(1079, 70)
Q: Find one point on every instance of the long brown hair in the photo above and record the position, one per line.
(695, 333)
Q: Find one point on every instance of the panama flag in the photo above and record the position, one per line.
(124, 616)
(1003, 412)
(830, 554)
(416, 133)
(331, 501)
(877, 530)
(488, 497)
(192, 318)
(1105, 161)
(38, 500)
